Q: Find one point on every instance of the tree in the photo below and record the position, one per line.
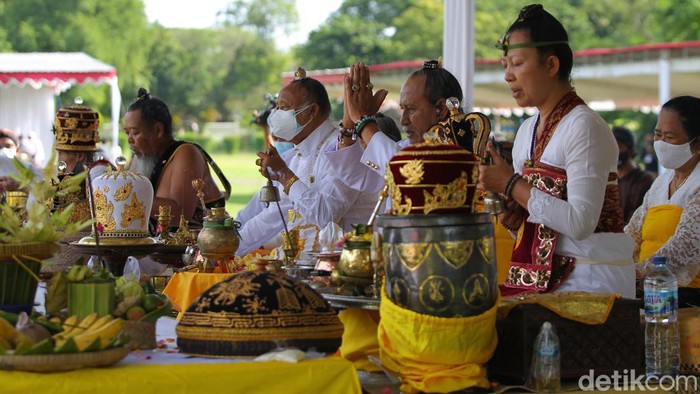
(89, 26)
(262, 16)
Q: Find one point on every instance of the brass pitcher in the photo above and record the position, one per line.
(355, 259)
(218, 239)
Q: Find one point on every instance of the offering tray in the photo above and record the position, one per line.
(62, 362)
(169, 254)
(346, 301)
(325, 255)
(115, 254)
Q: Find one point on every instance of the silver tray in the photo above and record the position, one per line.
(345, 302)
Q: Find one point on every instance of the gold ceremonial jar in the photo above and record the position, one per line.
(218, 239)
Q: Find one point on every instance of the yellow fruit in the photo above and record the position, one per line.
(69, 325)
(84, 324)
(100, 322)
(106, 334)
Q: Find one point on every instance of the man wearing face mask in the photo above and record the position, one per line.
(668, 221)
(633, 182)
(312, 194)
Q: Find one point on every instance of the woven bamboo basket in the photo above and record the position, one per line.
(62, 362)
(142, 334)
(19, 273)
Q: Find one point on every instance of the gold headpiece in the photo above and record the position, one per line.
(300, 74)
(470, 131)
(75, 128)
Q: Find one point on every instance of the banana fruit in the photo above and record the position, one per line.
(84, 333)
(77, 273)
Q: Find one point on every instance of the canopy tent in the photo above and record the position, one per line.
(29, 83)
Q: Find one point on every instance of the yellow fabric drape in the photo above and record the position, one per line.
(436, 354)
(659, 225)
(184, 287)
(327, 375)
(504, 249)
(360, 338)
(580, 306)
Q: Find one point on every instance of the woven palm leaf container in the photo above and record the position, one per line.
(252, 313)
(19, 269)
(142, 334)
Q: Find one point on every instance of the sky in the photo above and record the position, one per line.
(181, 13)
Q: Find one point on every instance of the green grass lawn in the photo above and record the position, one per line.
(241, 171)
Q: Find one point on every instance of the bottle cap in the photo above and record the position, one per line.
(547, 325)
(659, 260)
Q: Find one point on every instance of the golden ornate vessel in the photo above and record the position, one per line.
(218, 239)
(355, 261)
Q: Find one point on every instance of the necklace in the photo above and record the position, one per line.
(530, 162)
(676, 185)
(317, 153)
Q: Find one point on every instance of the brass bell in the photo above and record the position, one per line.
(492, 201)
(269, 193)
(493, 204)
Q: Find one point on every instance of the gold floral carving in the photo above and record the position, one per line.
(436, 293)
(104, 211)
(455, 253)
(225, 293)
(413, 171)
(452, 195)
(400, 291)
(254, 305)
(413, 254)
(123, 192)
(476, 291)
(133, 211)
(486, 248)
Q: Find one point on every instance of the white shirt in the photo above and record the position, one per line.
(374, 158)
(584, 146)
(321, 201)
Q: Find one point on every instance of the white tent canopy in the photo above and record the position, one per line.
(29, 83)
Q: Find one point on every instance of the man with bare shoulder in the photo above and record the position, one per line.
(171, 165)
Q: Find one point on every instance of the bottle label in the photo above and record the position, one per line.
(549, 350)
(660, 302)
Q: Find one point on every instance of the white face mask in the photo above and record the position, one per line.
(7, 152)
(283, 123)
(672, 156)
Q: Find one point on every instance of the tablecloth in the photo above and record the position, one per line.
(165, 370)
(184, 287)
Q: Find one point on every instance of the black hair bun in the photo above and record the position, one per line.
(143, 94)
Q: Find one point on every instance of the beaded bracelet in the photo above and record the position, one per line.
(511, 184)
(362, 123)
(289, 183)
(346, 132)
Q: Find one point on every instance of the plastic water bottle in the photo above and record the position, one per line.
(661, 315)
(546, 367)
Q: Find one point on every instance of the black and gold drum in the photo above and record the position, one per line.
(440, 265)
